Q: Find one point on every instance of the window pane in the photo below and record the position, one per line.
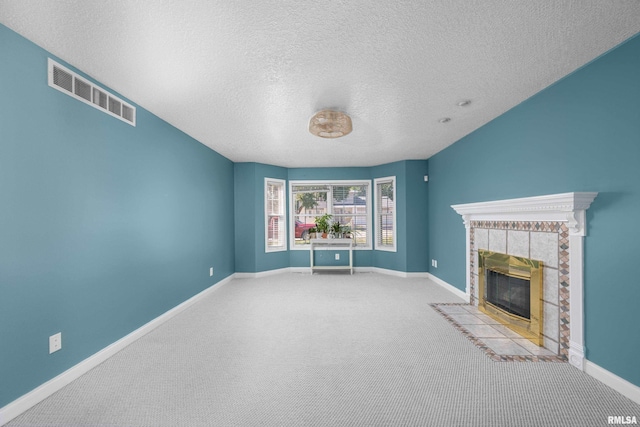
(347, 203)
(275, 218)
(276, 231)
(385, 207)
(309, 201)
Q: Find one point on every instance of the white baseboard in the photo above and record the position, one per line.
(306, 270)
(35, 396)
(457, 292)
(610, 379)
(260, 274)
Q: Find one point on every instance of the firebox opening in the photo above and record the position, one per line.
(510, 291)
(511, 294)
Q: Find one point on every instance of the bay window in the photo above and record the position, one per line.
(348, 203)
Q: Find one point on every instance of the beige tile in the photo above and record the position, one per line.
(484, 331)
(518, 243)
(487, 319)
(544, 247)
(467, 319)
(550, 285)
(550, 325)
(505, 346)
(451, 309)
(506, 331)
(498, 240)
(532, 348)
(481, 238)
(551, 345)
(472, 309)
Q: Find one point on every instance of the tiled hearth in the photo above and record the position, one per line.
(497, 341)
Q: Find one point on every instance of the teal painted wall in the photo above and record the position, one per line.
(251, 256)
(245, 224)
(414, 224)
(580, 134)
(412, 248)
(103, 226)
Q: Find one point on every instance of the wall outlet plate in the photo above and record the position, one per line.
(211, 272)
(55, 342)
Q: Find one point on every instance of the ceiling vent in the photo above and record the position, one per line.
(66, 81)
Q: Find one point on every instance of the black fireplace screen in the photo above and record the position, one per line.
(509, 293)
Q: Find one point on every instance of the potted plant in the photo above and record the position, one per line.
(322, 224)
(337, 230)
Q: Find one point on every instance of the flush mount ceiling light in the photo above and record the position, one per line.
(330, 124)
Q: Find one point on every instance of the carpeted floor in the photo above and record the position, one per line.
(323, 350)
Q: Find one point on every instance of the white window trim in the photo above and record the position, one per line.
(342, 182)
(268, 248)
(377, 246)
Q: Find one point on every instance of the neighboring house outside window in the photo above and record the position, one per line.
(385, 214)
(348, 202)
(275, 215)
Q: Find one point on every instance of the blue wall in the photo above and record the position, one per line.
(251, 256)
(103, 226)
(412, 249)
(581, 134)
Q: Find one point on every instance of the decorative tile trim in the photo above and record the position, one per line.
(482, 346)
(563, 266)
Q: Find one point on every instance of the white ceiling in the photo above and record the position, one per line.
(244, 77)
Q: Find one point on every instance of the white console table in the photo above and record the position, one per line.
(331, 245)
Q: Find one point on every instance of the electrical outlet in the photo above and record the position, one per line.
(434, 263)
(337, 257)
(55, 342)
(211, 272)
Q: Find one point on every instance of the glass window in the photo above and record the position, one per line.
(346, 201)
(385, 216)
(275, 216)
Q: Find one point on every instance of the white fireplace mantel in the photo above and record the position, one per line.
(565, 207)
(569, 208)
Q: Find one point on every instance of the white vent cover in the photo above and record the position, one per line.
(66, 81)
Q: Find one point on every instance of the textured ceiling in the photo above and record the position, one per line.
(244, 78)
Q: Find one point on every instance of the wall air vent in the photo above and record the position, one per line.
(66, 81)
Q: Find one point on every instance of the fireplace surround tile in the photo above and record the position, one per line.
(518, 243)
(550, 324)
(481, 238)
(544, 247)
(497, 240)
(550, 285)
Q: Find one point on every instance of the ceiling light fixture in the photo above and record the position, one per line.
(464, 103)
(444, 120)
(330, 124)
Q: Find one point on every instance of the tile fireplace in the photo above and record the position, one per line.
(550, 229)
